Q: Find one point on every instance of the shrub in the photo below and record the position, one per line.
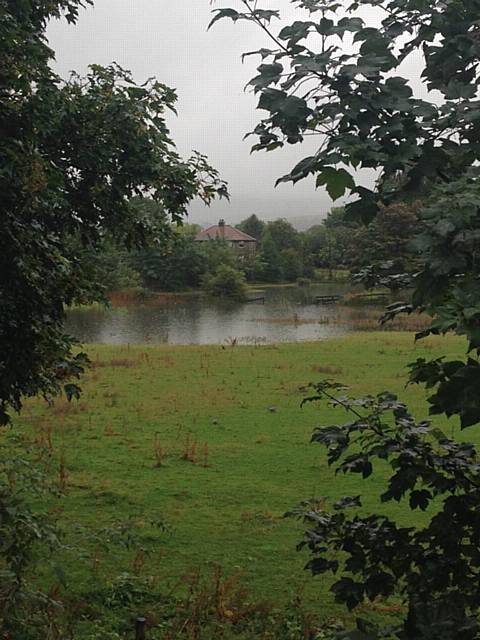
(226, 282)
(304, 282)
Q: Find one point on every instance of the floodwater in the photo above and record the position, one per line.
(288, 314)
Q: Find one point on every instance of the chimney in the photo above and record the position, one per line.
(221, 226)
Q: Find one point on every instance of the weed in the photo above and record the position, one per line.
(259, 517)
(62, 473)
(43, 438)
(158, 451)
(114, 363)
(206, 452)
(62, 408)
(138, 561)
(327, 369)
(189, 450)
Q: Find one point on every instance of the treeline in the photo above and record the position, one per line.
(283, 254)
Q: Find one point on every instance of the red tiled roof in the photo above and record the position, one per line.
(224, 232)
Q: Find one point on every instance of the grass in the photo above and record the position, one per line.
(194, 453)
(332, 275)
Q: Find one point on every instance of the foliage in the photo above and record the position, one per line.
(76, 158)
(253, 226)
(226, 282)
(107, 265)
(269, 266)
(217, 253)
(304, 282)
(436, 564)
(73, 155)
(329, 247)
(335, 76)
(366, 116)
(283, 234)
(26, 536)
(282, 255)
(177, 264)
(388, 237)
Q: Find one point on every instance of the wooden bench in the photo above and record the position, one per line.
(332, 299)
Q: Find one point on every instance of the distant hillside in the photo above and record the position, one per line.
(301, 223)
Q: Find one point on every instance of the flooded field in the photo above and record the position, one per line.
(286, 314)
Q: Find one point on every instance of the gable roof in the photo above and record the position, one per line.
(224, 232)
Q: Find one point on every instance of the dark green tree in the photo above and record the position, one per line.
(269, 265)
(72, 155)
(329, 73)
(216, 253)
(226, 282)
(337, 217)
(253, 226)
(388, 237)
(178, 264)
(283, 234)
(292, 264)
(107, 264)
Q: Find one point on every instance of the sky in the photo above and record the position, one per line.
(169, 40)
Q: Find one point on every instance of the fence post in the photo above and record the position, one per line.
(140, 629)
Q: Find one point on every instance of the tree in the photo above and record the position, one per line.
(177, 265)
(106, 264)
(367, 116)
(217, 253)
(269, 267)
(226, 282)
(73, 155)
(337, 217)
(330, 246)
(253, 226)
(388, 237)
(292, 264)
(283, 234)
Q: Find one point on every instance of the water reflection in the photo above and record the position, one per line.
(288, 315)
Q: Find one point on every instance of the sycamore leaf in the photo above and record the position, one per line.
(259, 52)
(337, 181)
(224, 13)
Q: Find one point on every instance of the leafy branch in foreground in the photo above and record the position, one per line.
(332, 75)
(435, 568)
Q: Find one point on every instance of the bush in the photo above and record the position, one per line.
(226, 282)
(304, 282)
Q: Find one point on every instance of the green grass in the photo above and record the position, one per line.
(335, 275)
(241, 402)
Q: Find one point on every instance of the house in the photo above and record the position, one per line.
(240, 241)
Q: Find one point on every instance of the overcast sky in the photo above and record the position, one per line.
(169, 40)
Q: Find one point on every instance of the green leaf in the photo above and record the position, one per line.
(337, 181)
(268, 74)
(224, 13)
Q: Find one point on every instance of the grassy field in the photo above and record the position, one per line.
(211, 442)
